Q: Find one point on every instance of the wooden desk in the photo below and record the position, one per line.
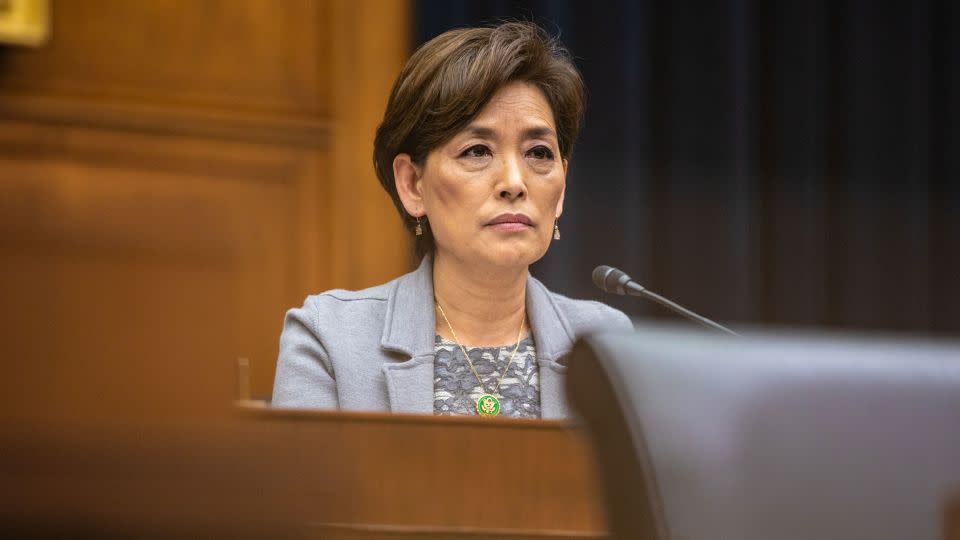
(951, 518)
(268, 473)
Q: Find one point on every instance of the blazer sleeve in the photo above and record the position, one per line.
(304, 377)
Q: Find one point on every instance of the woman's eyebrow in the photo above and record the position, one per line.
(539, 133)
(482, 132)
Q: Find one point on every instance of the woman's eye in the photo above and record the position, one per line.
(541, 152)
(476, 151)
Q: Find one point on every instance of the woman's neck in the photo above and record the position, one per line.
(484, 307)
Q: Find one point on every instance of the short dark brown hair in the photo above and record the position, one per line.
(449, 79)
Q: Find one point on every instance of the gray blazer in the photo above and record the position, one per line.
(373, 350)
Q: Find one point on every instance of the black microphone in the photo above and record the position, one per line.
(611, 280)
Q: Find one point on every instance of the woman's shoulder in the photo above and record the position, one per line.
(369, 297)
(376, 293)
(334, 303)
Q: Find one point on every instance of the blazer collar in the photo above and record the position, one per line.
(554, 339)
(409, 329)
(410, 321)
(551, 331)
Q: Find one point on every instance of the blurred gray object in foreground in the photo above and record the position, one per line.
(775, 436)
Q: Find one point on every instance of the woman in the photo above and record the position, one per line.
(473, 150)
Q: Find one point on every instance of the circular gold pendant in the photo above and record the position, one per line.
(488, 405)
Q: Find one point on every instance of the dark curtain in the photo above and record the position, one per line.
(764, 162)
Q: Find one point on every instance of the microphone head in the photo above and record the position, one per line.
(611, 280)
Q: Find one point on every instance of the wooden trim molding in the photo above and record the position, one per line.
(336, 531)
(152, 118)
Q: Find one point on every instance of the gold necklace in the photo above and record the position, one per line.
(487, 404)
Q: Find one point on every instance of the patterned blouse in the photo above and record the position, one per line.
(456, 390)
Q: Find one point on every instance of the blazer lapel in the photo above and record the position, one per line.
(554, 340)
(408, 330)
(410, 385)
(553, 400)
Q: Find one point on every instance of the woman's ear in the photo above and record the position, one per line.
(406, 176)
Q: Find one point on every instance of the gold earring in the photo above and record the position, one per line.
(556, 230)
(418, 230)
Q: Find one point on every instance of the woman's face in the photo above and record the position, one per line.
(492, 192)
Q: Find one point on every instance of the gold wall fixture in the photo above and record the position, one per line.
(24, 22)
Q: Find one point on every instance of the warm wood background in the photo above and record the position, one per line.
(174, 175)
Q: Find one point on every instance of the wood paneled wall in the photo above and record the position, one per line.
(174, 175)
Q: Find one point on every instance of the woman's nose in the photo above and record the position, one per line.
(512, 184)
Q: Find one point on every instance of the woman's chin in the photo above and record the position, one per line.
(504, 253)
(514, 254)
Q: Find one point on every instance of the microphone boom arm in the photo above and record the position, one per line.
(611, 280)
(680, 309)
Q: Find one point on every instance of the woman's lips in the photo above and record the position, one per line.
(511, 222)
(509, 226)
